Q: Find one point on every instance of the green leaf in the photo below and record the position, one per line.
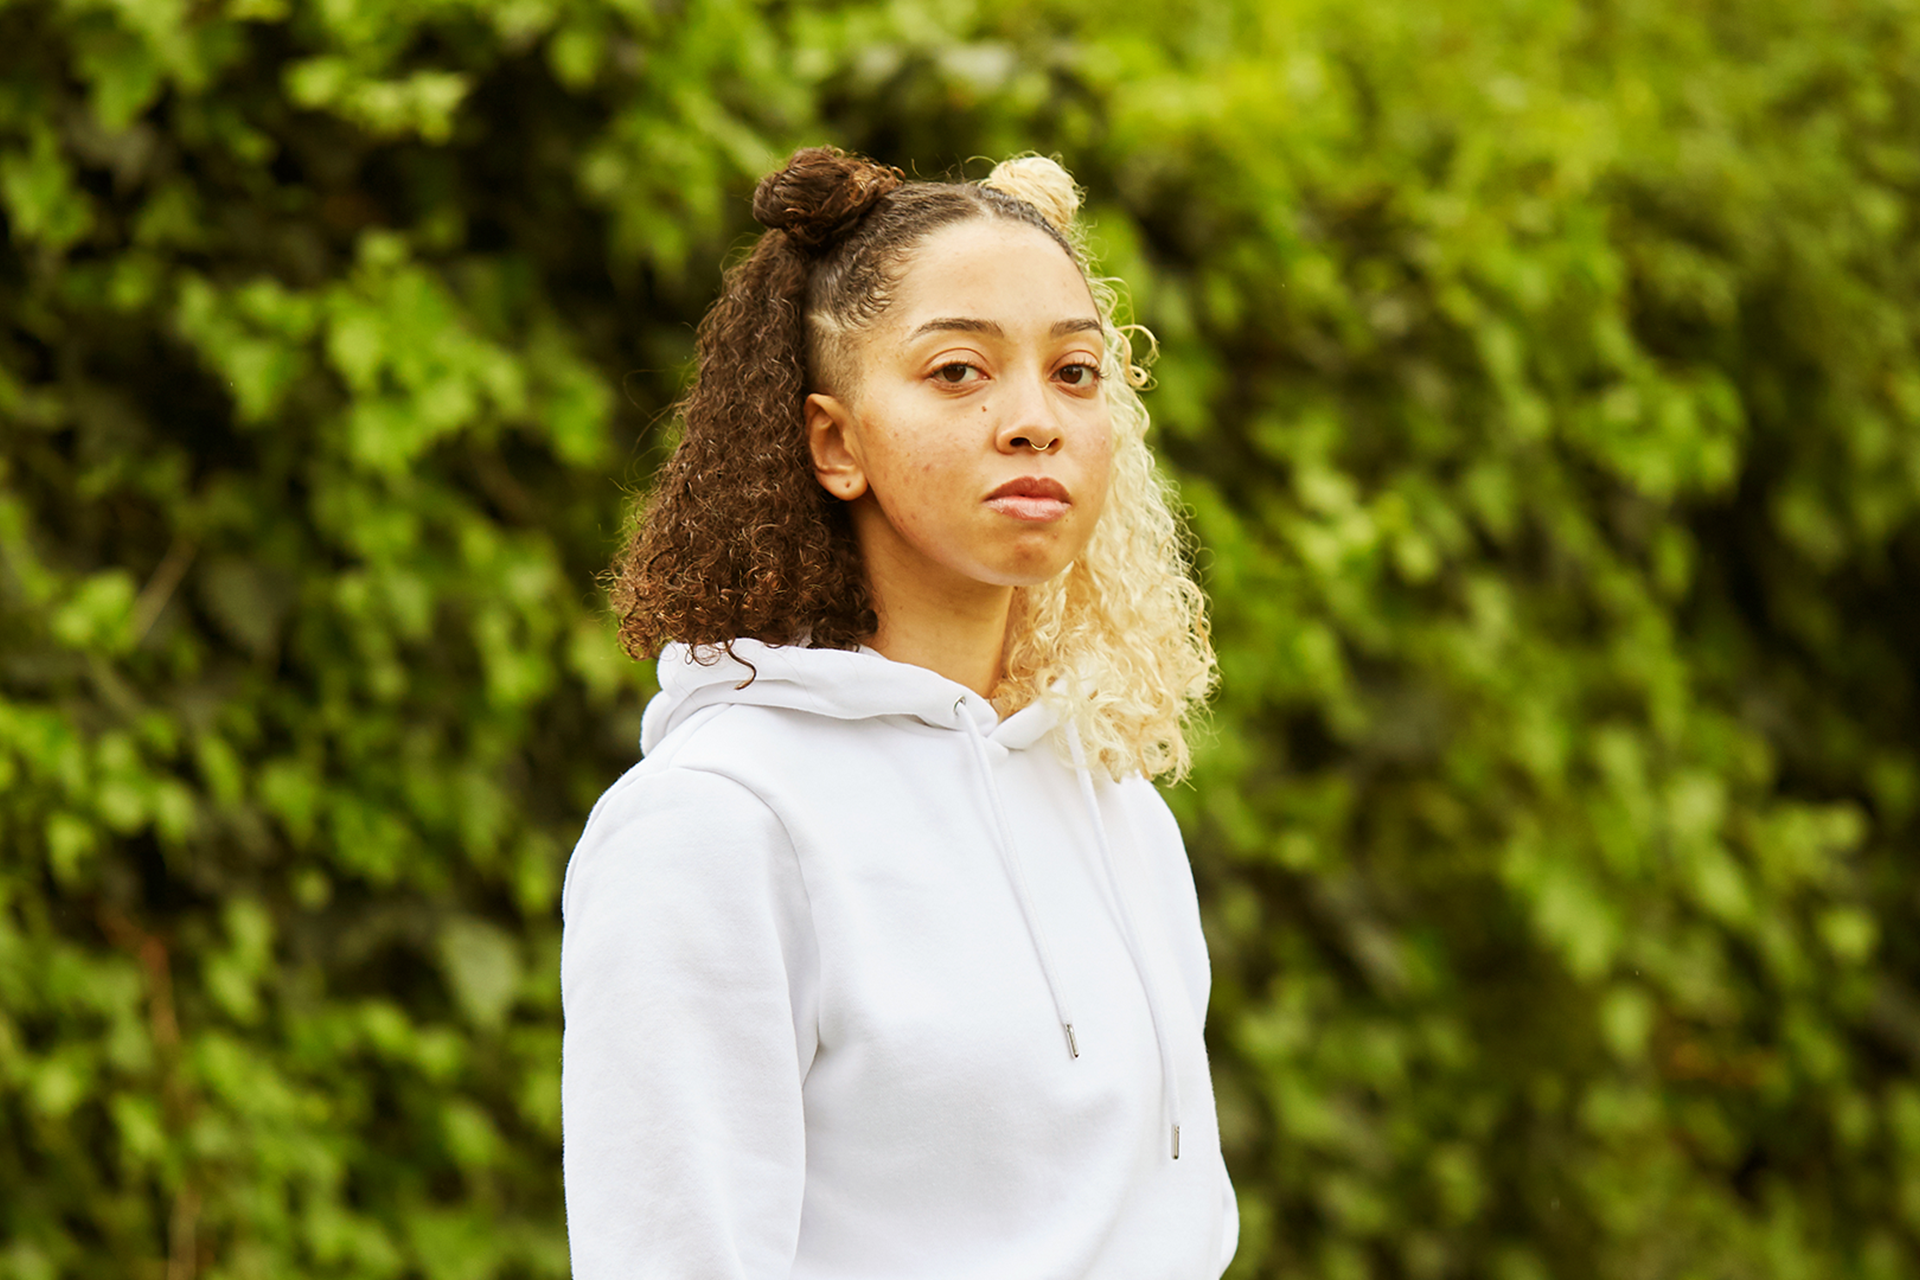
(483, 967)
(42, 203)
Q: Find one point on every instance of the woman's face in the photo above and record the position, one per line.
(972, 438)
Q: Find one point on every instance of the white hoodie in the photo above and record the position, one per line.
(823, 949)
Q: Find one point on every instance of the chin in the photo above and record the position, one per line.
(1030, 574)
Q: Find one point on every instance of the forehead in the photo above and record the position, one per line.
(989, 269)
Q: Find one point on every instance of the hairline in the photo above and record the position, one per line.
(834, 338)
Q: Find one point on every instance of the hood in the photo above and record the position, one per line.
(862, 684)
(844, 684)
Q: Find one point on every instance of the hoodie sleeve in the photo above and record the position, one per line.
(687, 978)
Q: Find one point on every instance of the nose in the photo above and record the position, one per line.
(1030, 421)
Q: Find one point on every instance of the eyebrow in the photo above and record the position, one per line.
(967, 324)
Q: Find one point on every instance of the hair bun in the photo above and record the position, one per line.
(1040, 182)
(820, 194)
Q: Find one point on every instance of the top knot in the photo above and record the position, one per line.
(821, 193)
(1040, 182)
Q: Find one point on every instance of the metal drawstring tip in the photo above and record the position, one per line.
(1176, 1142)
(1073, 1046)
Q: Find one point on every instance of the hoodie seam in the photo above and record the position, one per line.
(687, 731)
(800, 873)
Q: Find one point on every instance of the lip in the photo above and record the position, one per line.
(1037, 499)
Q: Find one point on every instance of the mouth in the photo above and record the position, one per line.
(1031, 498)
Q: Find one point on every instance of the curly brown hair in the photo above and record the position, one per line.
(738, 539)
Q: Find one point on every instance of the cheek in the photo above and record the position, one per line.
(917, 467)
(1099, 474)
(918, 487)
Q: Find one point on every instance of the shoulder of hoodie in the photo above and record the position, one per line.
(746, 740)
(1155, 829)
(1142, 801)
(739, 740)
(696, 786)
(719, 750)
(654, 811)
(714, 754)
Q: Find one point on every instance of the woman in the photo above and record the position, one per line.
(885, 960)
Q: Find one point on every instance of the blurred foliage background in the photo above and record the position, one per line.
(1544, 382)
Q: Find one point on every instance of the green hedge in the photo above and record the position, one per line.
(1545, 385)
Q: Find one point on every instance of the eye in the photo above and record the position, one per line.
(1079, 374)
(958, 373)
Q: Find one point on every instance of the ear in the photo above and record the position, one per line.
(833, 439)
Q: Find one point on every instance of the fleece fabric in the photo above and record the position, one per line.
(819, 947)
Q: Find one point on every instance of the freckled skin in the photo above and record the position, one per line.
(939, 420)
(984, 370)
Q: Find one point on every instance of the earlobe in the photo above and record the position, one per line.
(832, 439)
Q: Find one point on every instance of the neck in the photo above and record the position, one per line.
(965, 651)
(955, 627)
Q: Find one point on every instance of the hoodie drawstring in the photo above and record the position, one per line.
(1010, 860)
(1169, 1082)
(1016, 873)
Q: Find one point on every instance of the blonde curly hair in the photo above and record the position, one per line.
(1117, 643)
